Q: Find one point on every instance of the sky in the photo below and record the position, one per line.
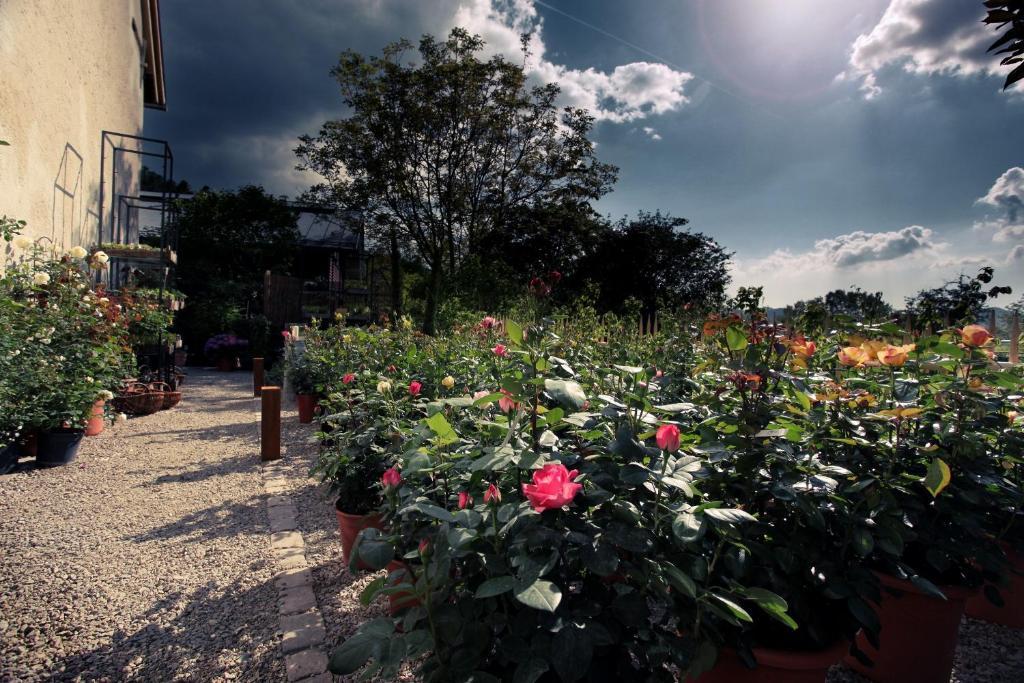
(826, 143)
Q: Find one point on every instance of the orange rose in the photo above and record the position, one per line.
(802, 348)
(895, 356)
(851, 356)
(975, 336)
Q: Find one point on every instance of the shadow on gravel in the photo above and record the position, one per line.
(196, 637)
(230, 520)
(237, 431)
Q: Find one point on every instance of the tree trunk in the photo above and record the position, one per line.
(396, 276)
(433, 297)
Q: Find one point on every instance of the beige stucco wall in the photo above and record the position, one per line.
(69, 69)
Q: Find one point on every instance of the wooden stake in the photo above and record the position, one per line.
(270, 423)
(1015, 338)
(257, 376)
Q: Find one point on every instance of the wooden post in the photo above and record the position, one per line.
(1015, 338)
(992, 322)
(270, 423)
(257, 376)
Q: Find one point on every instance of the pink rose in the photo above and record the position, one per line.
(667, 437)
(500, 350)
(465, 500)
(488, 322)
(391, 478)
(552, 487)
(505, 402)
(492, 494)
(424, 547)
(414, 388)
(348, 378)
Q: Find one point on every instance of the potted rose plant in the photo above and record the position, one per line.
(300, 377)
(923, 438)
(224, 350)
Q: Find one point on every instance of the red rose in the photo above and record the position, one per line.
(414, 388)
(552, 487)
(668, 438)
(348, 378)
(492, 494)
(465, 500)
(391, 478)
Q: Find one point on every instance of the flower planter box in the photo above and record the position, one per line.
(58, 447)
(775, 666)
(918, 636)
(349, 527)
(1012, 612)
(8, 458)
(96, 424)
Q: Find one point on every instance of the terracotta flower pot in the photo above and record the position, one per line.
(307, 407)
(918, 636)
(775, 666)
(350, 526)
(95, 424)
(402, 599)
(1012, 612)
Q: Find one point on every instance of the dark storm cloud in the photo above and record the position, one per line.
(246, 78)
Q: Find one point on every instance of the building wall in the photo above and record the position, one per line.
(69, 69)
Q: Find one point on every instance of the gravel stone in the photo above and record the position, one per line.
(304, 664)
(146, 559)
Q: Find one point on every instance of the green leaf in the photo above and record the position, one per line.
(530, 670)
(938, 477)
(431, 510)
(729, 515)
(371, 590)
(688, 527)
(372, 550)
(357, 650)
(567, 392)
(773, 604)
(680, 581)
(733, 608)
(629, 369)
(863, 542)
(515, 332)
(442, 429)
(495, 586)
(575, 651)
(540, 594)
(735, 338)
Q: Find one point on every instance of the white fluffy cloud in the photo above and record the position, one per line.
(924, 37)
(628, 92)
(859, 247)
(1006, 196)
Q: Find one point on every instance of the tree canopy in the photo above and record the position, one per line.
(445, 149)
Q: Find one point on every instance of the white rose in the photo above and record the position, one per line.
(101, 258)
(104, 300)
(22, 242)
(77, 252)
(106, 395)
(41, 278)
(383, 386)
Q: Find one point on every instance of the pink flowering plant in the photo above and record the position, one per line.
(523, 534)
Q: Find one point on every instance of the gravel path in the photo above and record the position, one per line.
(987, 653)
(147, 558)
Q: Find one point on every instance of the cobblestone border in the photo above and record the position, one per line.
(300, 623)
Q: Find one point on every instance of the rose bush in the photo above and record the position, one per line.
(65, 344)
(579, 502)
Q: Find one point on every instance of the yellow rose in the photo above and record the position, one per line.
(851, 356)
(448, 382)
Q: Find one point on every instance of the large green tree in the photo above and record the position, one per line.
(227, 241)
(443, 147)
(651, 259)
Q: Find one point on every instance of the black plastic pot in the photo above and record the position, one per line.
(58, 447)
(8, 458)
